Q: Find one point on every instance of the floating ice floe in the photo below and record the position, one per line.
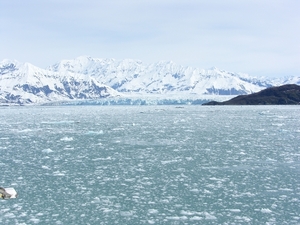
(263, 210)
(48, 150)
(94, 132)
(57, 122)
(7, 193)
(66, 139)
(152, 211)
(58, 173)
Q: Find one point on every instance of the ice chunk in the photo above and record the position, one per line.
(194, 218)
(152, 211)
(48, 150)
(66, 139)
(209, 216)
(7, 193)
(263, 210)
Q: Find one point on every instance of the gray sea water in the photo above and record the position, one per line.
(151, 164)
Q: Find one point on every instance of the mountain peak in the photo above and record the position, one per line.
(7, 66)
(213, 68)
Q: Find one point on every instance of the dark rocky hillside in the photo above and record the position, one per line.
(288, 94)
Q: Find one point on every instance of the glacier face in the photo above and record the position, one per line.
(93, 78)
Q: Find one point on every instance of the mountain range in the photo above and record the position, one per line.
(93, 78)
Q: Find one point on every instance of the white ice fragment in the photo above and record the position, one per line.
(48, 150)
(195, 218)
(25, 130)
(235, 210)
(102, 159)
(12, 192)
(264, 210)
(94, 132)
(96, 200)
(106, 210)
(58, 173)
(285, 189)
(177, 217)
(126, 213)
(66, 139)
(46, 167)
(277, 124)
(153, 211)
(9, 215)
(209, 216)
(195, 190)
(68, 148)
(187, 213)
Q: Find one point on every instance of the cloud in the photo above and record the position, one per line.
(251, 36)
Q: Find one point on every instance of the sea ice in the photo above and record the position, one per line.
(66, 139)
(196, 218)
(265, 210)
(152, 211)
(48, 150)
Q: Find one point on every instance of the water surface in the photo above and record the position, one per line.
(151, 164)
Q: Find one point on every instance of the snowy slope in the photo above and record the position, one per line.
(92, 78)
(162, 77)
(26, 83)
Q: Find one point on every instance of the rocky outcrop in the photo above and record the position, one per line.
(288, 94)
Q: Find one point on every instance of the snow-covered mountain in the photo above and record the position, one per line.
(91, 78)
(24, 83)
(161, 78)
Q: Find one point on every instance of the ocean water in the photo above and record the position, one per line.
(151, 164)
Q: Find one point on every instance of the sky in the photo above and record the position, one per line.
(258, 37)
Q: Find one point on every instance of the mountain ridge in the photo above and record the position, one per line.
(90, 78)
(161, 77)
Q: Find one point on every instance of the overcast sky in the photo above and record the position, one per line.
(258, 37)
